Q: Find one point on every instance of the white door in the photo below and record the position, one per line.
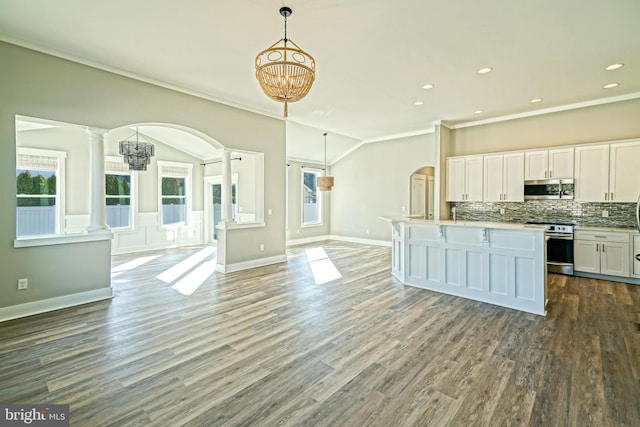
(561, 163)
(456, 178)
(592, 173)
(536, 164)
(513, 177)
(624, 184)
(615, 259)
(493, 178)
(474, 178)
(418, 194)
(586, 256)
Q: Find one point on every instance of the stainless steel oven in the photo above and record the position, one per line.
(559, 247)
(548, 189)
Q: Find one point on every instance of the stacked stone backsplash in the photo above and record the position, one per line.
(621, 215)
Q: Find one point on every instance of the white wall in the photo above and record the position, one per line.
(374, 180)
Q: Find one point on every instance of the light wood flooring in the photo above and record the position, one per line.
(269, 347)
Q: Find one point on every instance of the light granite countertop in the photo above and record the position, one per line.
(470, 224)
(618, 229)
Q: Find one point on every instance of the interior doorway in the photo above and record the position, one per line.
(421, 192)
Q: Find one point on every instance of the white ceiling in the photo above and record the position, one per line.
(373, 56)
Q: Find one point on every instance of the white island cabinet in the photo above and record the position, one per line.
(496, 263)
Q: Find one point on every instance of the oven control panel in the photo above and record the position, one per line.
(564, 229)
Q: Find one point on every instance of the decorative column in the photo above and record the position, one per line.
(97, 210)
(227, 212)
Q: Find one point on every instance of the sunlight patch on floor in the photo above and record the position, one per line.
(134, 263)
(322, 268)
(192, 281)
(182, 267)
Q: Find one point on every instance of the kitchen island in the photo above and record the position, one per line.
(496, 263)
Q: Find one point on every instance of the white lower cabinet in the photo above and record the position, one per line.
(601, 253)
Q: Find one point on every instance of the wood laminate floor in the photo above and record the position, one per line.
(269, 347)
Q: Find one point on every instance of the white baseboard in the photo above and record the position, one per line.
(363, 241)
(324, 237)
(42, 306)
(251, 264)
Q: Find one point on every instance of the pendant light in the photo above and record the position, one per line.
(285, 71)
(325, 183)
(137, 153)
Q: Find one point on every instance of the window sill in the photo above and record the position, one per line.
(319, 224)
(60, 239)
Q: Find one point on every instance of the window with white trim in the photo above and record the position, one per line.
(119, 197)
(39, 191)
(311, 198)
(174, 182)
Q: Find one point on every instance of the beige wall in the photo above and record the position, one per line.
(38, 85)
(374, 180)
(620, 120)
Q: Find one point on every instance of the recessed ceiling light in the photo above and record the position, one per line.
(478, 112)
(485, 70)
(610, 85)
(427, 87)
(534, 100)
(418, 103)
(614, 66)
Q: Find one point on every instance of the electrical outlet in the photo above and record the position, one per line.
(367, 231)
(23, 284)
(403, 209)
(501, 211)
(605, 214)
(269, 212)
(262, 246)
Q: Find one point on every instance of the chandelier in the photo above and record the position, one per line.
(137, 153)
(285, 71)
(325, 183)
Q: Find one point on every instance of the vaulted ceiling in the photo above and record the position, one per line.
(373, 56)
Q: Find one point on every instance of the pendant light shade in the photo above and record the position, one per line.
(137, 153)
(325, 183)
(285, 71)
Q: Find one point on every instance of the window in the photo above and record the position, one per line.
(311, 198)
(175, 193)
(39, 188)
(118, 194)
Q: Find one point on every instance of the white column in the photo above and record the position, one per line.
(97, 214)
(227, 212)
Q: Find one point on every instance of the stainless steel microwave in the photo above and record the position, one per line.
(548, 189)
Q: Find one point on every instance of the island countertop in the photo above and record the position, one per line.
(477, 224)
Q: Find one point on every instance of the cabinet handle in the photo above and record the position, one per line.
(611, 198)
(603, 248)
(606, 195)
(550, 174)
(597, 245)
(504, 197)
(545, 174)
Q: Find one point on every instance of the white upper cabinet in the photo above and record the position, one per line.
(464, 179)
(504, 177)
(624, 173)
(545, 164)
(608, 173)
(592, 173)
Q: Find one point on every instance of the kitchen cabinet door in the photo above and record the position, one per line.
(586, 256)
(624, 172)
(536, 164)
(493, 178)
(474, 178)
(456, 179)
(513, 177)
(592, 173)
(561, 163)
(614, 259)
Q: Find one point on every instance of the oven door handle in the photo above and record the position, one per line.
(560, 236)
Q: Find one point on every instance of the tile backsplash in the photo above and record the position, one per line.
(621, 215)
